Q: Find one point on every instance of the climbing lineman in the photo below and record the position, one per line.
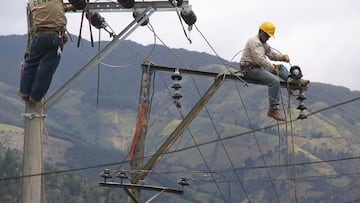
(47, 30)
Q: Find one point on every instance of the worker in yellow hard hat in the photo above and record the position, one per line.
(255, 64)
(268, 28)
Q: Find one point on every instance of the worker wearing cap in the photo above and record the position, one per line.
(255, 64)
(48, 27)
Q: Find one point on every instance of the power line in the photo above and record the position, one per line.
(257, 142)
(187, 171)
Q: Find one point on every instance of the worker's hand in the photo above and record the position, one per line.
(69, 7)
(285, 58)
(276, 70)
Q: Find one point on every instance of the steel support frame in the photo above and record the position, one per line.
(139, 5)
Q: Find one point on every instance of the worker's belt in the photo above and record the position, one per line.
(246, 66)
(47, 30)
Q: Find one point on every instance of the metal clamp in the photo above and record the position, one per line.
(33, 115)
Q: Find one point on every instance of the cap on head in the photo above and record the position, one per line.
(268, 28)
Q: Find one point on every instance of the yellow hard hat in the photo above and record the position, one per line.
(268, 28)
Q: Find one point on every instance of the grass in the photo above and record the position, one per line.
(7, 127)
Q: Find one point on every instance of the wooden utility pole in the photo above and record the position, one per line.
(136, 153)
(32, 154)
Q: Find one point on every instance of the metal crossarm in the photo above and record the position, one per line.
(129, 186)
(231, 76)
(138, 186)
(116, 7)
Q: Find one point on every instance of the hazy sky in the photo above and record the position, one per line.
(320, 36)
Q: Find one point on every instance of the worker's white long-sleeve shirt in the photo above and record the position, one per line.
(257, 52)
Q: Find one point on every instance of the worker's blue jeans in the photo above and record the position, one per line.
(271, 80)
(40, 65)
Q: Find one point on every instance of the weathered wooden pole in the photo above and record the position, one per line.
(32, 154)
(136, 153)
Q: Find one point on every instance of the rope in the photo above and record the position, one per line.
(297, 198)
(98, 75)
(287, 158)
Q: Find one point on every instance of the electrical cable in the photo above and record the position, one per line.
(219, 181)
(203, 157)
(170, 152)
(182, 25)
(126, 65)
(297, 197)
(287, 156)
(257, 142)
(287, 142)
(218, 57)
(98, 74)
(275, 166)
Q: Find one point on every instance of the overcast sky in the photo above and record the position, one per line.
(321, 36)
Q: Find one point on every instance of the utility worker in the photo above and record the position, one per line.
(255, 64)
(48, 38)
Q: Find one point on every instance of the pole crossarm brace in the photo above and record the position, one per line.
(182, 126)
(230, 76)
(139, 5)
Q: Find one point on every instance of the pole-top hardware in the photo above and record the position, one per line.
(106, 173)
(33, 115)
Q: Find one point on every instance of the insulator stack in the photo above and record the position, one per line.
(176, 77)
(189, 17)
(301, 105)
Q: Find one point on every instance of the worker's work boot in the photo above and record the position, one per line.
(273, 113)
(23, 96)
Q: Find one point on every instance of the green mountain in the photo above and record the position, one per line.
(230, 152)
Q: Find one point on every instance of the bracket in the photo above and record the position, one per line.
(33, 115)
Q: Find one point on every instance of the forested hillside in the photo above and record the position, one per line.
(231, 152)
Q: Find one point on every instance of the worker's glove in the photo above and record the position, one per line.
(285, 58)
(69, 7)
(276, 70)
